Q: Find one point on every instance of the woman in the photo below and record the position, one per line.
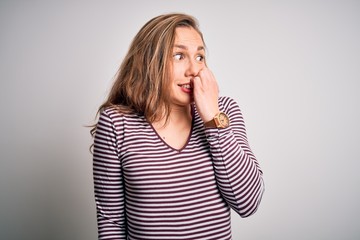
(171, 157)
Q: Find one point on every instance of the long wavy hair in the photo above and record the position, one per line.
(142, 83)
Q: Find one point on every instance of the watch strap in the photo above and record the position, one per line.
(210, 124)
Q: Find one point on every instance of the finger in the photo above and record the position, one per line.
(208, 80)
(197, 83)
(206, 75)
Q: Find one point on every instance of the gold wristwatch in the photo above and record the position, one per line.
(221, 120)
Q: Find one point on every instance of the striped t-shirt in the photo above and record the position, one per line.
(145, 189)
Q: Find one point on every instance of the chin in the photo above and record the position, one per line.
(183, 103)
(182, 99)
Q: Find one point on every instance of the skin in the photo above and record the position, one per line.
(192, 81)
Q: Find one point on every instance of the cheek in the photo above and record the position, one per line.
(178, 72)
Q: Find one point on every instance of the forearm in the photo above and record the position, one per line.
(237, 171)
(109, 204)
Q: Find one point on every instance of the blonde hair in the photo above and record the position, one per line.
(142, 83)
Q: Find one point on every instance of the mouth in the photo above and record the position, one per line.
(186, 87)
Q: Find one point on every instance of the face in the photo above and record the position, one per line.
(187, 60)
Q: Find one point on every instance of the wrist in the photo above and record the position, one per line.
(220, 120)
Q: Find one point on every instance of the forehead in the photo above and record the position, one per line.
(188, 37)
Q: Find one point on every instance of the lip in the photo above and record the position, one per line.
(186, 87)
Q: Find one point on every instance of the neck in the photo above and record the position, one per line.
(179, 115)
(176, 131)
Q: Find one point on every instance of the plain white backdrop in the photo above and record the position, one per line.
(293, 66)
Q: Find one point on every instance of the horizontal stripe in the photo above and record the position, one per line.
(145, 189)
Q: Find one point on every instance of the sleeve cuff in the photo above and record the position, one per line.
(217, 133)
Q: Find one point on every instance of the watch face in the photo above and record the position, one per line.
(224, 120)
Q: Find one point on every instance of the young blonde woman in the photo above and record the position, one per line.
(170, 156)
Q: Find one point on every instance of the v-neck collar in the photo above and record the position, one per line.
(189, 135)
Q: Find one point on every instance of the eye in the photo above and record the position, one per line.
(200, 58)
(178, 56)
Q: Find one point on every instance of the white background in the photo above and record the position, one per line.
(293, 66)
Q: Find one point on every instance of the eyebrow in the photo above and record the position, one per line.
(185, 48)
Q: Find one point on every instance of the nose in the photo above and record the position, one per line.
(193, 68)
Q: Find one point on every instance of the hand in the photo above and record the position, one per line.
(206, 93)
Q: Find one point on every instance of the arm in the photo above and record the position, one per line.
(108, 183)
(237, 171)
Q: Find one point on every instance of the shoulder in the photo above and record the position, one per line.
(232, 109)
(119, 119)
(227, 104)
(110, 115)
(109, 122)
(114, 123)
(115, 113)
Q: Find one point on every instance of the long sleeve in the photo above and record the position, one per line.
(237, 171)
(108, 183)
